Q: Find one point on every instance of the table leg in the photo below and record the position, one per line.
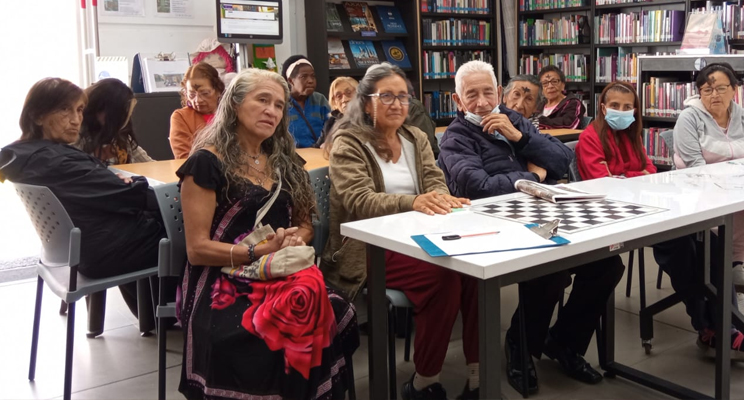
(377, 320)
(489, 338)
(607, 331)
(723, 309)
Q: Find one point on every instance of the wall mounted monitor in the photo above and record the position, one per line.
(249, 21)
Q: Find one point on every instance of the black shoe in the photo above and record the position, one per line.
(571, 362)
(434, 391)
(468, 394)
(514, 368)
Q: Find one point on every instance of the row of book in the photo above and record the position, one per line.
(530, 5)
(456, 6)
(574, 66)
(361, 19)
(440, 104)
(567, 30)
(454, 32)
(364, 53)
(444, 64)
(612, 2)
(731, 16)
(620, 65)
(640, 27)
(656, 147)
(663, 97)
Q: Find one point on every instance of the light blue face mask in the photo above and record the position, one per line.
(619, 120)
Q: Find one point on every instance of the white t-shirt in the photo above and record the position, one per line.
(398, 177)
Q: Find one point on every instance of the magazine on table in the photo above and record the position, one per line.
(556, 193)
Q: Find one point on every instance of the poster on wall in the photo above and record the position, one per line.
(163, 73)
(122, 8)
(175, 8)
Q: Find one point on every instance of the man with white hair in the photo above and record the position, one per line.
(522, 95)
(484, 151)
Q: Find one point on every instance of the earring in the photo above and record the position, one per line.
(374, 118)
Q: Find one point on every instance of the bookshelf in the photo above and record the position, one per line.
(443, 49)
(664, 82)
(318, 37)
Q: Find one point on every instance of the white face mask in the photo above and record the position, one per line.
(475, 118)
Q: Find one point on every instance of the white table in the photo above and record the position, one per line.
(693, 206)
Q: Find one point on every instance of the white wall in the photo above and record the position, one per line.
(127, 36)
(38, 42)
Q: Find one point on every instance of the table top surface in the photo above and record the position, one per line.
(690, 196)
(165, 171)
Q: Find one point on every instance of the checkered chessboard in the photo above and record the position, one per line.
(575, 217)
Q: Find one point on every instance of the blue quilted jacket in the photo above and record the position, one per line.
(478, 165)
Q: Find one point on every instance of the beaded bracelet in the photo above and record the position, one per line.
(251, 253)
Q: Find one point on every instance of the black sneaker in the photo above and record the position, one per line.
(435, 391)
(514, 368)
(571, 362)
(468, 394)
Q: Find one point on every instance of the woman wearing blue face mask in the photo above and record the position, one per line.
(612, 144)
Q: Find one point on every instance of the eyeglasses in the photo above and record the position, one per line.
(339, 96)
(202, 93)
(553, 82)
(708, 91)
(389, 98)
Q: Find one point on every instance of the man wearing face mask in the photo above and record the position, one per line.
(484, 151)
(522, 95)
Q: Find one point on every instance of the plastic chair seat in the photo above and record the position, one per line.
(396, 298)
(57, 279)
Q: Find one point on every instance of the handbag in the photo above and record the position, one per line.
(278, 264)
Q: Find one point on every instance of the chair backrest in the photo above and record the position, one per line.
(585, 121)
(321, 182)
(668, 138)
(53, 225)
(573, 169)
(169, 202)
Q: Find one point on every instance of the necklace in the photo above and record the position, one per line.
(255, 158)
(259, 180)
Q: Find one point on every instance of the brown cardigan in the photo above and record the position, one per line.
(358, 192)
(185, 124)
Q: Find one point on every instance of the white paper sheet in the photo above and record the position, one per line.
(122, 8)
(509, 237)
(175, 8)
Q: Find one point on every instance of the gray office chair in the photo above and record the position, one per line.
(668, 138)
(573, 169)
(585, 121)
(58, 267)
(171, 262)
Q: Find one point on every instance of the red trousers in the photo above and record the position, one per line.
(437, 294)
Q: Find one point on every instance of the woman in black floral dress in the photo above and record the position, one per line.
(284, 338)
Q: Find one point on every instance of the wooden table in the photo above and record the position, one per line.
(165, 171)
(564, 135)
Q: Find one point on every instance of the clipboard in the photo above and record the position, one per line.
(163, 72)
(509, 238)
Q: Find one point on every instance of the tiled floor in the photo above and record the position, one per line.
(122, 365)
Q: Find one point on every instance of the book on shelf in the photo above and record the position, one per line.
(730, 15)
(616, 64)
(455, 32)
(663, 97)
(395, 52)
(656, 147)
(439, 104)
(556, 193)
(391, 19)
(360, 17)
(639, 27)
(703, 35)
(574, 66)
(364, 53)
(533, 5)
(444, 64)
(456, 6)
(333, 19)
(550, 32)
(337, 55)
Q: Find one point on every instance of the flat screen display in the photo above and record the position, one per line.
(254, 21)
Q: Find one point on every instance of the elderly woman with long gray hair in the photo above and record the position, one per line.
(286, 337)
(379, 166)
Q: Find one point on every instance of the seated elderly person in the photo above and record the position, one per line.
(522, 94)
(485, 159)
(558, 110)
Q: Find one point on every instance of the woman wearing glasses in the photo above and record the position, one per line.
(201, 90)
(342, 90)
(558, 111)
(379, 166)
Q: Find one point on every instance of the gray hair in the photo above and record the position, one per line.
(356, 118)
(280, 147)
(471, 67)
(524, 78)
